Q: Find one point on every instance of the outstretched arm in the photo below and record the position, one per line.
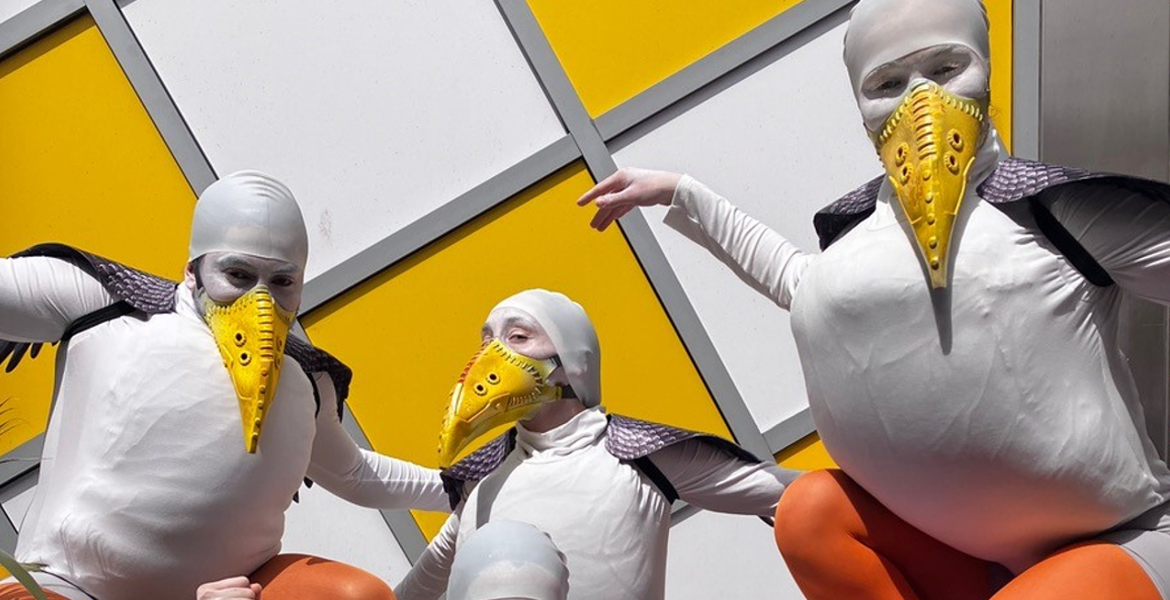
(428, 579)
(41, 296)
(712, 479)
(1126, 232)
(760, 256)
(363, 477)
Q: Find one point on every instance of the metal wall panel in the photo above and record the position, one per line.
(1105, 105)
(375, 113)
(780, 140)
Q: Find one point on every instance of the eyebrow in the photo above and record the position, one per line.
(231, 260)
(927, 54)
(508, 322)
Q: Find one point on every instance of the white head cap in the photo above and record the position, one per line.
(572, 334)
(249, 212)
(506, 559)
(884, 30)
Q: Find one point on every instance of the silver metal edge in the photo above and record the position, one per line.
(31, 23)
(789, 431)
(436, 224)
(152, 93)
(8, 534)
(735, 54)
(22, 459)
(1026, 42)
(576, 120)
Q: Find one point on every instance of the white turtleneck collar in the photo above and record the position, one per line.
(584, 430)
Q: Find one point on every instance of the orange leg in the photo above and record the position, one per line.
(840, 542)
(300, 577)
(1092, 571)
(15, 591)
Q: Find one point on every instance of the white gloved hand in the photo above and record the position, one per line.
(232, 588)
(619, 193)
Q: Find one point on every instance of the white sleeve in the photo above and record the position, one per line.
(758, 255)
(41, 296)
(363, 477)
(427, 580)
(712, 479)
(1126, 232)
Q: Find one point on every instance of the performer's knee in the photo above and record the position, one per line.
(811, 508)
(355, 584)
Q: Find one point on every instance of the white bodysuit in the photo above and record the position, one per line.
(145, 489)
(608, 519)
(997, 415)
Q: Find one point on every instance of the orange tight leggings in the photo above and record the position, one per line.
(288, 577)
(839, 542)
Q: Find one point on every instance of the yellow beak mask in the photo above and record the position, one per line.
(496, 388)
(250, 333)
(927, 147)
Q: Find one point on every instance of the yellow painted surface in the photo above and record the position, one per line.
(614, 49)
(999, 12)
(807, 454)
(80, 163)
(409, 331)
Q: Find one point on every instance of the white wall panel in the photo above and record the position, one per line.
(9, 8)
(780, 144)
(375, 113)
(714, 555)
(324, 525)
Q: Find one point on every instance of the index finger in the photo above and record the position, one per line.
(224, 584)
(605, 186)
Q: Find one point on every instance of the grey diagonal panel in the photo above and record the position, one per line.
(776, 31)
(791, 430)
(400, 522)
(1026, 78)
(152, 93)
(436, 224)
(21, 460)
(21, 28)
(7, 534)
(654, 263)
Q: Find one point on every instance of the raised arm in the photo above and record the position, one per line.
(758, 255)
(1126, 232)
(363, 477)
(712, 479)
(41, 296)
(427, 580)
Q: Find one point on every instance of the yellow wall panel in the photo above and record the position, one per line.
(80, 163)
(409, 331)
(999, 12)
(807, 454)
(614, 49)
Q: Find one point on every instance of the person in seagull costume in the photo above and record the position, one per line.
(958, 339)
(599, 485)
(147, 488)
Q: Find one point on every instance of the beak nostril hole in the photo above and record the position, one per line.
(493, 378)
(245, 358)
(240, 338)
(480, 389)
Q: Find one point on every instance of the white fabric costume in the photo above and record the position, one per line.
(145, 490)
(996, 415)
(609, 520)
(509, 560)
